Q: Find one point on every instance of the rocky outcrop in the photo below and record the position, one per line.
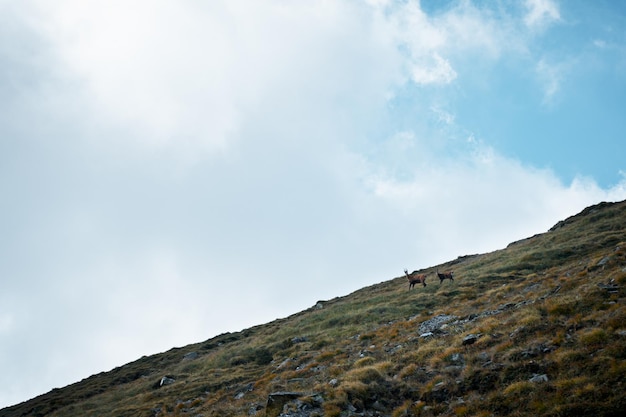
(293, 404)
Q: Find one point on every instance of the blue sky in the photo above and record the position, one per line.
(173, 170)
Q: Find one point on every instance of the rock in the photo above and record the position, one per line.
(610, 287)
(190, 356)
(470, 339)
(297, 340)
(305, 407)
(435, 323)
(333, 382)
(166, 380)
(539, 378)
(254, 409)
(277, 400)
(457, 358)
(394, 349)
(284, 363)
(242, 392)
(378, 406)
(427, 335)
(363, 353)
(518, 331)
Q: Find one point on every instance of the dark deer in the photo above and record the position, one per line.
(415, 278)
(444, 276)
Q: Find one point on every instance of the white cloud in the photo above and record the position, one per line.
(448, 201)
(551, 76)
(182, 75)
(541, 13)
(443, 116)
(438, 71)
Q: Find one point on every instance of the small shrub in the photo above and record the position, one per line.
(238, 360)
(519, 388)
(322, 343)
(620, 278)
(262, 356)
(363, 362)
(331, 410)
(562, 306)
(594, 338)
(408, 408)
(327, 355)
(444, 357)
(461, 410)
(408, 371)
(365, 374)
(356, 393)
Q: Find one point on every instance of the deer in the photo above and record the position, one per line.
(415, 278)
(444, 276)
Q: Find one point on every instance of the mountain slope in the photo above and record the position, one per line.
(538, 328)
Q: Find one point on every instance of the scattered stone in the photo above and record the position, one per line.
(611, 287)
(166, 380)
(277, 400)
(299, 339)
(531, 287)
(470, 339)
(190, 356)
(378, 406)
(524, 303)
(364, 353)
(254, 409)
(539, 378)
(242, 392)
(427, 335)
(393, 350)
(333, 382)
(284, 363)
(457, 358)
(435, 323)
(516, 332)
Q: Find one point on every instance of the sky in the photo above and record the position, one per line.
(173, 170)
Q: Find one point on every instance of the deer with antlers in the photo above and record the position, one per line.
(415, 278)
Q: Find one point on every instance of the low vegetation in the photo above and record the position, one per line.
(538, 328)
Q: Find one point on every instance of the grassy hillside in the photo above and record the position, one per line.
(538, 328)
